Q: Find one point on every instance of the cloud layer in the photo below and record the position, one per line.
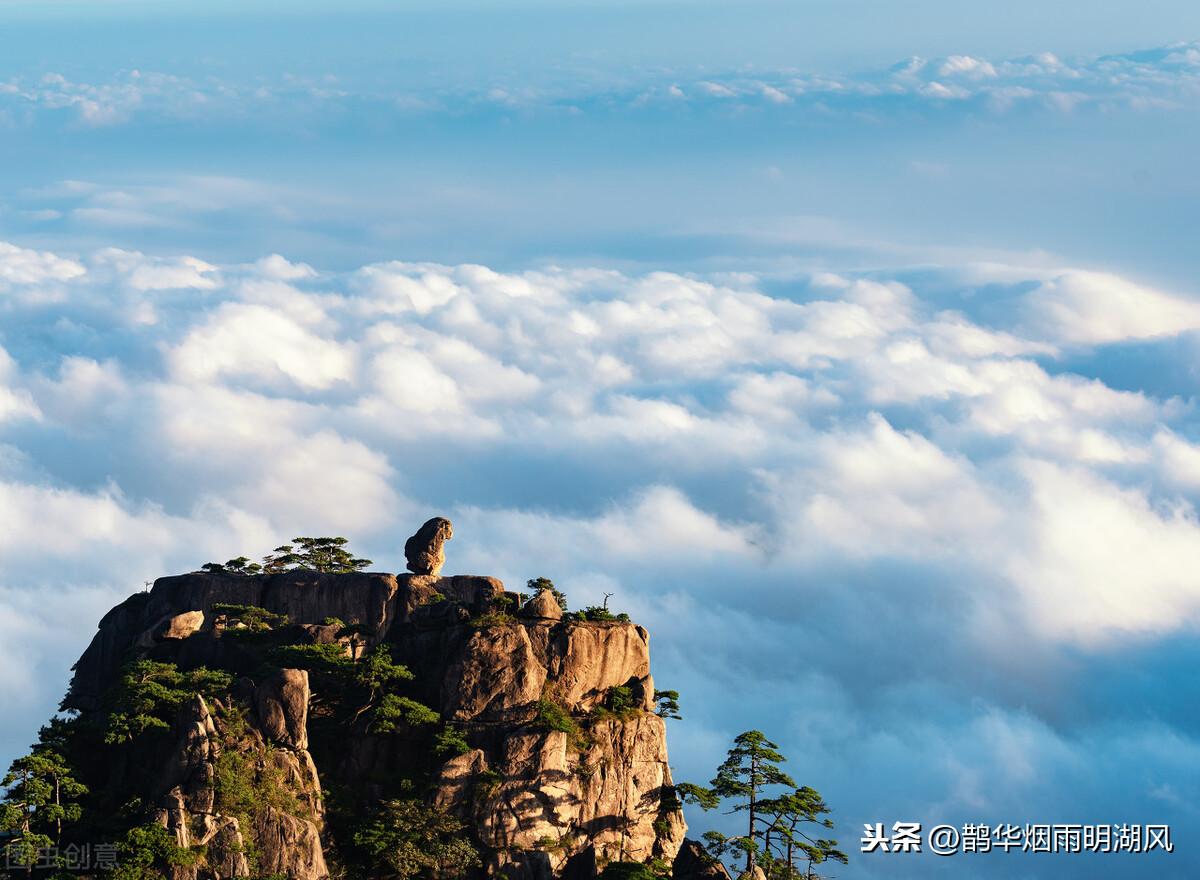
(1163, 78)
(896, 518)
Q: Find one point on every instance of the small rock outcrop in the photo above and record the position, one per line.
(543, 606)
(425, 551)
(281, 702)
(694, 863)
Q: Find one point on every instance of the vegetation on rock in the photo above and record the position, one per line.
(150, 693)
(41, 795)
(536, 585)
(407, 838)
(667, 704)
(147, 850)
(248, 618)
(316, 554)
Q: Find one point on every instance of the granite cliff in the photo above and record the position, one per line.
(302, 706)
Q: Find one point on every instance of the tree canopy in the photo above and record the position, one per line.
(150, 692)
(407, 839)
(315, 554)
(41, 794)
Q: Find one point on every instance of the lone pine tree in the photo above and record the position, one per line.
(750, 768)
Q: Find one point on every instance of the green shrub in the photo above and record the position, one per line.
(540, 583)
(394, 710)
(249, 618)
(492, 618)
(628, 871)
(551, 716)
(619, 702)
(486, 782)
(149, 850)
(321, 659)
(450, 743)
(408, 839)
(597, 613)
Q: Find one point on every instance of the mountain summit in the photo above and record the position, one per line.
(308, 724)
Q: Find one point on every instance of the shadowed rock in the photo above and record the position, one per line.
(282, 705)
(425, 550)
(694, 863)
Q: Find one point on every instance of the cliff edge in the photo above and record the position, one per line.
(287, 718)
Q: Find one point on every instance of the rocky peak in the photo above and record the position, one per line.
(558, 765)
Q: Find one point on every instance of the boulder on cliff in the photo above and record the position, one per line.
(694, 863)
(544, 605)
(425, 551)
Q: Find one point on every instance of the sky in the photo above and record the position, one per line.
(854, 347)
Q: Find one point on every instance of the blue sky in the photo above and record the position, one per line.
(852, 346)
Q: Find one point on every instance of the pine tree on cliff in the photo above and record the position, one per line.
(786, 841)
(779, 822)
(41, 796)
(327, 555)
(751, 766)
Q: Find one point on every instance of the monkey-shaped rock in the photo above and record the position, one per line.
(424, 550)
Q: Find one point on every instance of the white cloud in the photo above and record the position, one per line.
(393, 289)
(876, 492)
(1094, 307)
(15, 403)
(1102, 561)
(142, 273)
(965, 65)
(21, 266)
(262, 345)
(941, 509)
(1179, 459)
(279, 268)
(1162, 78)
(84, 391)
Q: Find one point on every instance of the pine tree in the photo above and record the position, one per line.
(752, 764)
(316, 554)
(41, 796)
(785, 839)
(409, 839)
(543, 583)
(668, 704)
(751, 767)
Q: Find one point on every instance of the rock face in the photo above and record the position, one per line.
(188, 805)
(281, 702)
(565, 767)
(425, 550)
(694, 863)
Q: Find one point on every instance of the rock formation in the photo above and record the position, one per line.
(425, 550)
(563, 762)
(694, 863)
(543, 606)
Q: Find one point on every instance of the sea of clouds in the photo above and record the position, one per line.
(1164, 78)
(894, 518)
